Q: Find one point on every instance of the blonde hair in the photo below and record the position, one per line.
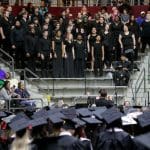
(21, 143)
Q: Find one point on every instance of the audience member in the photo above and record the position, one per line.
(103, 101)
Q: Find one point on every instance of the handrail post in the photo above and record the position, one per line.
(53, 88)
(24, 74)
(135, 95)
(144, 81)
(85, 83)
(148, 98)
(13, 68)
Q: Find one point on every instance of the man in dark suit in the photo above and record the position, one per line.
(103, 101)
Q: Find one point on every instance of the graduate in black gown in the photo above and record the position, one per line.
(45, 53)
(57, 47)
(67, 140)
(98, 56)
(68, 54)
(79, 48)
(114, 138)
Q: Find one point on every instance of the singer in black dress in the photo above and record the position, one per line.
(68, 54)
(57, 45)
(79, 48)
(98, 56)
(90, 42)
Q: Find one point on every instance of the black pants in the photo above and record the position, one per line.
(7, 45)
(145, 41)
(57, 67)
(45, 63)
(31, 62)
(19, 55)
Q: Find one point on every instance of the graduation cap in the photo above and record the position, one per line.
(55, 116)
(91, 120)
(37, 122)
(19, 116)
(144, 140)
(30, 109)
(84, 112)
(144, 119)
(55, 119)
(69, 124)
(19, 124)
(99, 111)
(111, 115)
(40, 113)
(2, 82)
(54, 110)
(135, 114)
(70, 113)
(8, 119)
(128, 120)
(2, 114)
(130, 110)
(79, 122)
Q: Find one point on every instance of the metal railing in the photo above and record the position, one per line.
(53, 85)
(148, 68)
(140, 80)
(35, 76)
(147, 103)
(10, 64)
(59, 3)
(24, 99)
(26, 78)
(8, 104)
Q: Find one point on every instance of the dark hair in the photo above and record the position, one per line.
(21, 133)
(104, 8)
(103, 93)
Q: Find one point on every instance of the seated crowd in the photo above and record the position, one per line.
(66, 45)
(13, 91)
